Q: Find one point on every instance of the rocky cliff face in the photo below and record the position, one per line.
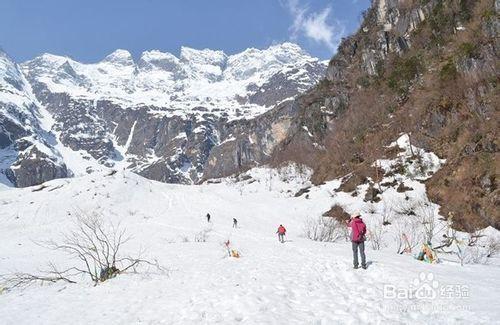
(427, 68)
(174, 119)
(27, 156)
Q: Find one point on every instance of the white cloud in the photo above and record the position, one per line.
(317, 26)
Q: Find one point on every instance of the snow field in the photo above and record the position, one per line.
(298, 282)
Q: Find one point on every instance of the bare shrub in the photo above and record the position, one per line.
(95, 245)
(470, 254)
(492, 246)
(405, 208)
(476, 255)
(476, 251)
(471, 248)
(325, 229)
(132, 212)
(23, 280)
(474, 237)
(408, 234)
(426, 213)
(371, 208)
(387, 213)
(376, 236)
(448, 238)
(201, 236)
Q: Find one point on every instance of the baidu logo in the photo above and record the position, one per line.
(425, 287)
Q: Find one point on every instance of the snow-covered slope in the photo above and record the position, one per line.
(298, 282)
(208, 78)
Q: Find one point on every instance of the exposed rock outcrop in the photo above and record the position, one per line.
(427, 68)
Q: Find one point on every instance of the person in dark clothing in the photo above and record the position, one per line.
(208, 217)
(358, 232)
(235, 223)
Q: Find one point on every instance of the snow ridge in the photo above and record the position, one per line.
(196, 78)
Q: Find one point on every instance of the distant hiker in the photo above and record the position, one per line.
(208, 217)
(358, 232)
(235, 223)
(227, 243)
(281, 233)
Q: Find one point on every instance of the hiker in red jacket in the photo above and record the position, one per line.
(358, 232)
(281, 233)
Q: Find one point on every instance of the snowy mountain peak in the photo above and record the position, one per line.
(203, 64)
(204, 56)
(12, 82)
(121, 57)
(181, 83)
(51, 58)
(160, 60)
(44, 64)
(161, 116)
(287, 47)
(8, 69)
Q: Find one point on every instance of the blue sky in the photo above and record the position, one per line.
(88, 30)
